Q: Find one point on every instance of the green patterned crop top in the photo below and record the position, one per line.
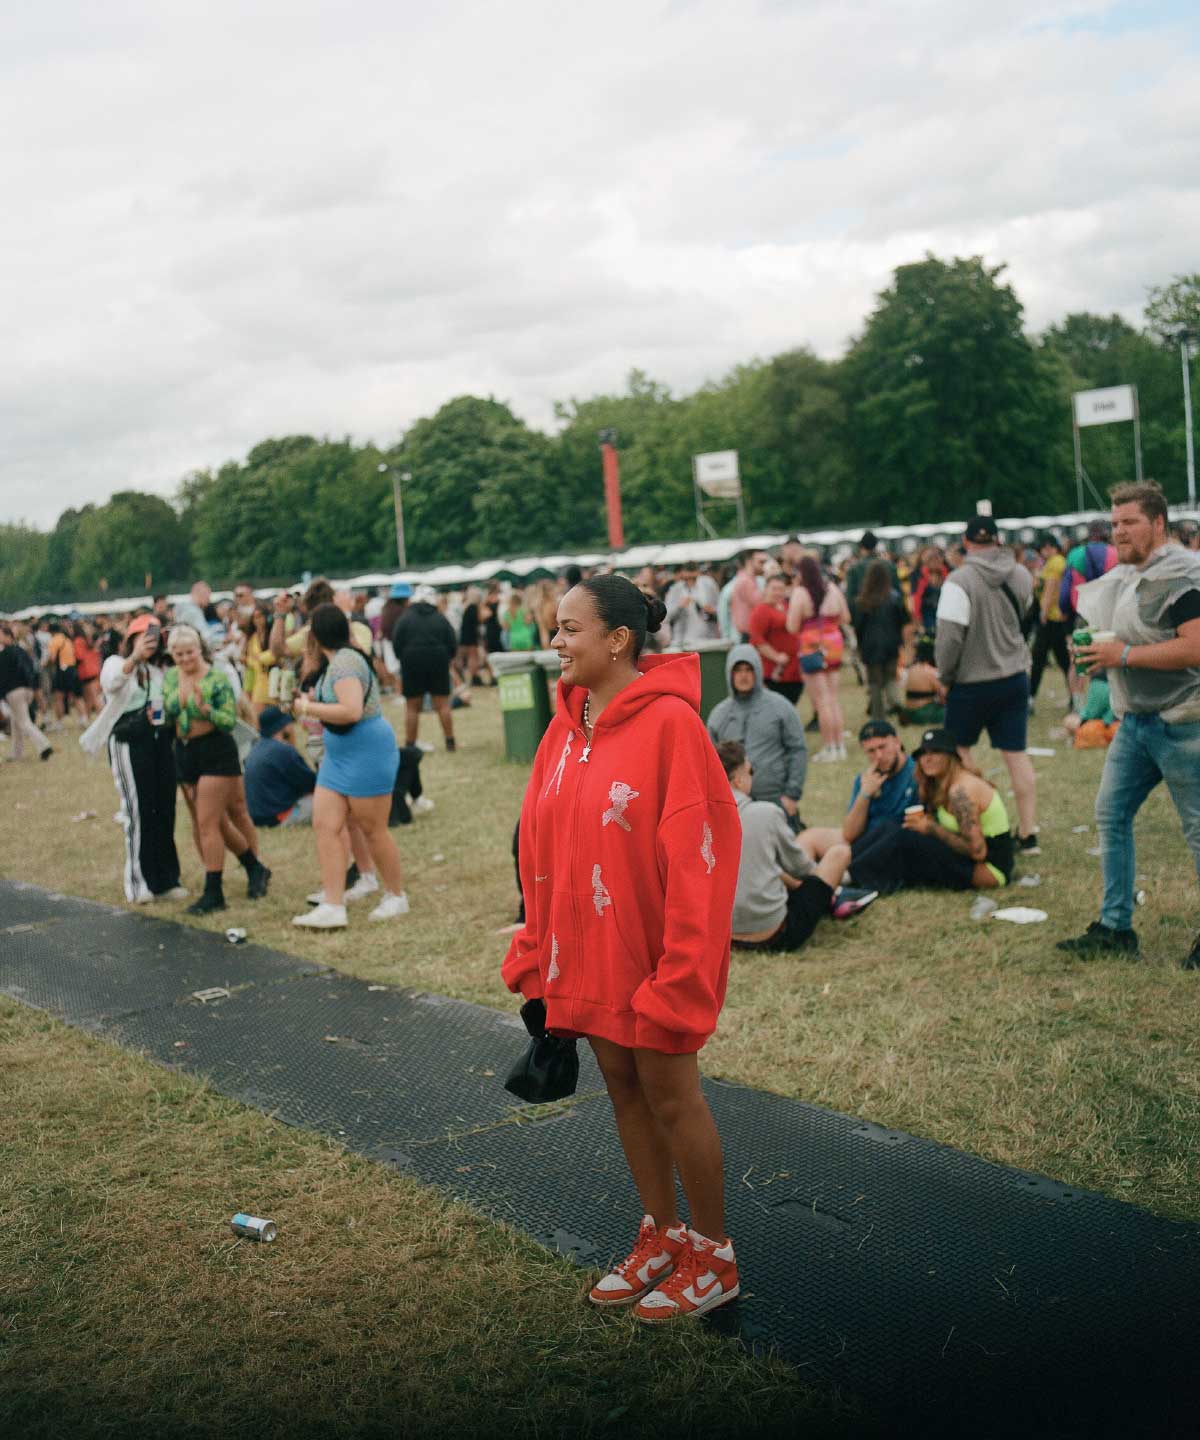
(215, 691)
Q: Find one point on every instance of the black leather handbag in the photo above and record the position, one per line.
(549, 1068)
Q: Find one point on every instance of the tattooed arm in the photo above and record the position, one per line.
(969, 840)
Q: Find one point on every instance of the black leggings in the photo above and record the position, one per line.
(1051, 639)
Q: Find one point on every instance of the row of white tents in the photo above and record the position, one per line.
(454, 576)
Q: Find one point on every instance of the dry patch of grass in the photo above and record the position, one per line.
(128, 1308)
(978, 1034)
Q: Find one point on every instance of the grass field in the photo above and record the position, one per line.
(977, 1034)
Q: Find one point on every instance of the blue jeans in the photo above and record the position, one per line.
(1146, 750)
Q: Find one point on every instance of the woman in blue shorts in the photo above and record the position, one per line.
(357, 772)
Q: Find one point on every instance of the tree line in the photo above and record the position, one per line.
(942, 398)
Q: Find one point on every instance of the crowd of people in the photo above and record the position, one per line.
(652, 843)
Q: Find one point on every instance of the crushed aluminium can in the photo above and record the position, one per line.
(252, 1227)
(235, 936)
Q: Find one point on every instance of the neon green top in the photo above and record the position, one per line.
(215, 691)
(993, 821)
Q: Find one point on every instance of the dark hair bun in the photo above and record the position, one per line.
(656, 613)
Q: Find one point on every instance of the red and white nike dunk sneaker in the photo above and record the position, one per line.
(651, 1260)
(705, 1277)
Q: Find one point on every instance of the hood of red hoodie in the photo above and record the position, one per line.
(674, 675)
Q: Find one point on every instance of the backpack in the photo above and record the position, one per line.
(1098, 559)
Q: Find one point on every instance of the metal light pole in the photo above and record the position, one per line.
(1185, 346)
(398, 476)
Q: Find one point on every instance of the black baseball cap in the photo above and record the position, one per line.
(981, 530)
(936, 742)
(876, 730)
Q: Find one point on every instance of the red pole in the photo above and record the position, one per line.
(612, 496)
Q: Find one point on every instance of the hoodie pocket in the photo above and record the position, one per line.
(609, 970)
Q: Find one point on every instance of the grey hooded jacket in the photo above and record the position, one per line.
(978, 627)
(768, 848)
(768, 726)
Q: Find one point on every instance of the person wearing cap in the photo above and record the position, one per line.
(958, 839)
(142, 760)
(983, 661)
(425, 644)
(279, 785)
(878, 797)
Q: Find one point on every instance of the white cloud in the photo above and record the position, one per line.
(229, 221)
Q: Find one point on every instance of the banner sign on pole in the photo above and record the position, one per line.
(717, 474)
(1102, 407)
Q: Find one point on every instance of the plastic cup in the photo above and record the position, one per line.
(913, 810)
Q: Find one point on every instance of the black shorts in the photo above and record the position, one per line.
(424, 675)
(67, 682)
(213, 754)
(1001, 707)
(805, 906)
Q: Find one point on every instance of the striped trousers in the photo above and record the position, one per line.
(144, 773)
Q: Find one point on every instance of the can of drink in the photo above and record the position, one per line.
(1079, 639)
(287, 688)
(156, 709)
(251, 1227)
(273, 683)
(235, 936)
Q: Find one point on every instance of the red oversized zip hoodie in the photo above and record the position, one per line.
(629, 862)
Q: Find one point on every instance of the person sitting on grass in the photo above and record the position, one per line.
(279, 785)
(782, 892)
(960, 838)
(768, 726)
(878, 797)
(922, 704)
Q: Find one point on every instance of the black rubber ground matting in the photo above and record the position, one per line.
(947, 1292)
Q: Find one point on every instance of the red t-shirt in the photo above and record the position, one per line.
(768, 626)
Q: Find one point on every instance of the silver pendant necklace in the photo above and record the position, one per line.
(587, 728)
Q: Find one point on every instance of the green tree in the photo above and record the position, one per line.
(1174, 307)
(481, 483)
(121, 542)
(948, 401)
(22, 565)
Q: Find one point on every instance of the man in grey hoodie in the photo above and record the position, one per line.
(983, 661)
(768, 726)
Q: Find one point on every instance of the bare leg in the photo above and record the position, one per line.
(329, 820)
(818, 839)
(238, 816)
(358, 846)
(671, 1085)
(647, 1150)
(189, 795)
(370, 817)
(210, 806)
(1024, 783)
(441, 703)
(834, 864)
(412, 720)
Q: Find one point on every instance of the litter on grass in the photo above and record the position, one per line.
(83, 815)
(1029, 881)
(1041, 751)
(1080, 829)
(1020, 915)
(1095, 850)
(982, 908)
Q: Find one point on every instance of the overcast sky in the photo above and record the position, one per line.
(224, 221)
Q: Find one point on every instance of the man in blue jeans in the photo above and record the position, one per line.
(1151, 602)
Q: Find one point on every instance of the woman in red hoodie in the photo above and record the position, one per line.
(629, 853)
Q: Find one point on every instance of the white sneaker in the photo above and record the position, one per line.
(176, 892)
(390, 907)
(823, 757)
(427, 746)
(841, 753)
(366, 884)
(324, 917)
(422, 805)
(316, 898)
